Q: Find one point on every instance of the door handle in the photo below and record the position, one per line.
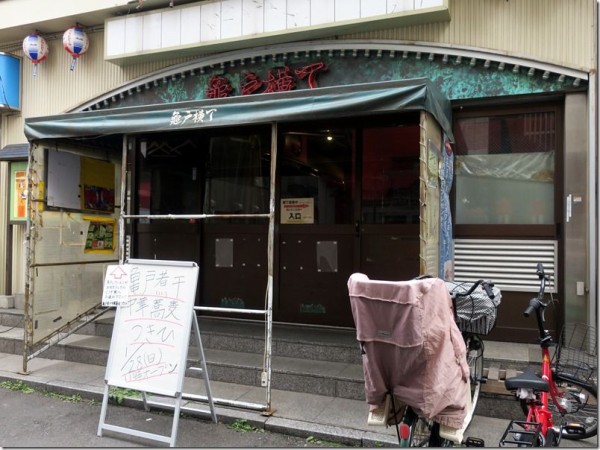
(357, 228)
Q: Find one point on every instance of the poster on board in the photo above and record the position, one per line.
(149, 345)
(298, 210)
(18, 191)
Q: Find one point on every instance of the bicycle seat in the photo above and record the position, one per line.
(527, 380)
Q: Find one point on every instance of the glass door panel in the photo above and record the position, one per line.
(316, 224)
(389, 213)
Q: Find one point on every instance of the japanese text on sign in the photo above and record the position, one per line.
(297, 210)
(152, 327)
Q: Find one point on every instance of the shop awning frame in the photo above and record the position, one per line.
(314, 104)
(360, 100)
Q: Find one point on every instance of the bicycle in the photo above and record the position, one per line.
(471, 319)
(562, 402)
(475, 308)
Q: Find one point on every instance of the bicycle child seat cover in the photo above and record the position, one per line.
(411, 346)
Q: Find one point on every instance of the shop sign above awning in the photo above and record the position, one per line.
(318, 104)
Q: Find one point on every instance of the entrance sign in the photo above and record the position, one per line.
(297, 210)
(151, 334)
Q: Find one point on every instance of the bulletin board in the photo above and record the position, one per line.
(149, 345)
(18, 189)
(80, 183)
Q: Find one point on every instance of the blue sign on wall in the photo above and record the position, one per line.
(10, 83)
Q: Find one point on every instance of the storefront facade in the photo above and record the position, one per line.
(196, 138)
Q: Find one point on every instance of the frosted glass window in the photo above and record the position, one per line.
(505, 169)
(327, 256)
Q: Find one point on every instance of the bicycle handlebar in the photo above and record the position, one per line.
(533, 305)
(537, 306)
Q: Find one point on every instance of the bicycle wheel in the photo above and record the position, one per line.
(414, 430)
(581, 401)
(475, 360)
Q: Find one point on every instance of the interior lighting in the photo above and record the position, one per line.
(576, 82)
(561, 78)
(404, 54)
(458, 60)
(431, 57)
(486, 64)
(445, 59)
(501, 66)
(530, 72)
(516, 68)
(473, 62)
(546, 75)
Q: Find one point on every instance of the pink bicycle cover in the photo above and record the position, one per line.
(412, 346)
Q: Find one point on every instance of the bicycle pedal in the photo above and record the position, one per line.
(574, 429)
(474, 442)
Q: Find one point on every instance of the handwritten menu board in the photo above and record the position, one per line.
(149, 345)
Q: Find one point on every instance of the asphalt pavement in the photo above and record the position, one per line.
(40, 420)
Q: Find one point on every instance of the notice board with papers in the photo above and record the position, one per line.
(149, 345)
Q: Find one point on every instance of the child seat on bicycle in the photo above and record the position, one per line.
(411, 346)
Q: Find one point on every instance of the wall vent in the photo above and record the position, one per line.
(510, 264)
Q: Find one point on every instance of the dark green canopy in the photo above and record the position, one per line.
(320, 103)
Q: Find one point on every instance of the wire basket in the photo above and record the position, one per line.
(577, 352)
(475, 313)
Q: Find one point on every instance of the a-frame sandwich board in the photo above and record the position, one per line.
(151, 335)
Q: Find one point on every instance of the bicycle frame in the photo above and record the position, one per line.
(538, 409)
(539, 417)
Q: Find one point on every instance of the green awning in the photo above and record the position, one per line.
(315, 104)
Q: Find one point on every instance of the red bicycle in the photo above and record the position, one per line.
(561, 401)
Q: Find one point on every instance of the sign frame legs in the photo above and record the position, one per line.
(138, 433)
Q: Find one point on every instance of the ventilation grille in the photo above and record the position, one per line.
(510, 264)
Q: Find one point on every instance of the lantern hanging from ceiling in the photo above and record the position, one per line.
(75, 41)
(36, 49)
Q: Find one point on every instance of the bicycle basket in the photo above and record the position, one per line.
(577, 352)
(475, 313)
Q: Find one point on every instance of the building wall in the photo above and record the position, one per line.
(556, 31)
(552, 31)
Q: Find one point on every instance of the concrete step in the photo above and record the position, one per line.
(313, 360)
(336, 379)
